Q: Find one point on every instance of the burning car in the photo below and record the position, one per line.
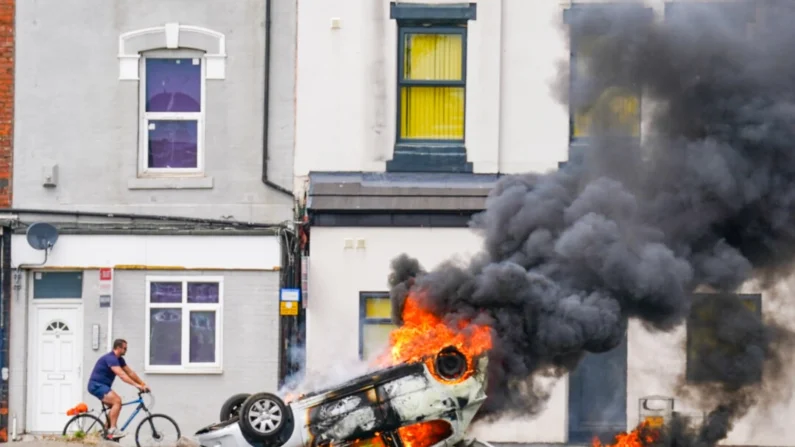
(422, 403)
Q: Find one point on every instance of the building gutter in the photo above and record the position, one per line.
(132, 216)
(266, 106)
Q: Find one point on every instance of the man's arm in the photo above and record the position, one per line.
(132, 375)
(123, 376)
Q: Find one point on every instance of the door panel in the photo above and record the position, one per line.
(58, 372)
(598, 396)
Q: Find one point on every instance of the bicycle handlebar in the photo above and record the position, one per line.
(151, 397)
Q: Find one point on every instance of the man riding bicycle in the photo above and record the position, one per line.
(100, 382)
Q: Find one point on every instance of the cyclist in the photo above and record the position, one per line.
(105, 371)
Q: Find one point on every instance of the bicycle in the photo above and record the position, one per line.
(102, 428)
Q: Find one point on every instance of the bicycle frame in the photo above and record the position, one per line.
(141, 406)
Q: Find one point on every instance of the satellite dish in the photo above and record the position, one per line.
(42, 236)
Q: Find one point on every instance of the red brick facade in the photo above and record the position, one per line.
(7, 13)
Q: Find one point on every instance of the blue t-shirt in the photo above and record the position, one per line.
(102, 372)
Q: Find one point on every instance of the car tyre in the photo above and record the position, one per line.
(231, 407)
(263, 417)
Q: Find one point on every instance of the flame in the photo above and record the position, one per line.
(423, 335)
(644, 435)
(375, 441)
(425, 434)
(290, 396)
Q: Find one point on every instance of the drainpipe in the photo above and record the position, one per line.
(266, 117)
(5, 330)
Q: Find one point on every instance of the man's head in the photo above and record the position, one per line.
(119, 347)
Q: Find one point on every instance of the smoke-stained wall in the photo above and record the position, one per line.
(631, 231)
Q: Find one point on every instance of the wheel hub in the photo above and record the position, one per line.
(265, 416)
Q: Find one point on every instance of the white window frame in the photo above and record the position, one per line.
(144, 117)
(186, 367)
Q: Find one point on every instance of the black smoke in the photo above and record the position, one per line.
(632, 229)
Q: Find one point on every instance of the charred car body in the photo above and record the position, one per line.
(422, 404)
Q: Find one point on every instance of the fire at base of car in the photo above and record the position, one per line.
(426, 403)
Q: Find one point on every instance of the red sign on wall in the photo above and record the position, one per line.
(105, 274)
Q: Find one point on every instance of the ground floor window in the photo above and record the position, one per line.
(716, 327)
(375, 323)
(183, 319)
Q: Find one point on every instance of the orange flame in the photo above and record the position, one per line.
(423, 334)
(375, 441)
(643, 436)
(424, 434)
(290, 396)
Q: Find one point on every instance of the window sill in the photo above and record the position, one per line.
(429, 157)
(170, 183)
(184, 371)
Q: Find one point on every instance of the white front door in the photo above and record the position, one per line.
(58, 357)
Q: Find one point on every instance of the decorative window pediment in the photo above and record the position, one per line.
(172, 36)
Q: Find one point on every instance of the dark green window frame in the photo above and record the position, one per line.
(424, 155)
(403, 31)
(570, 16)
(364, 320)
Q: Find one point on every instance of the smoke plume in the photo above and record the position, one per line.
(705, 201)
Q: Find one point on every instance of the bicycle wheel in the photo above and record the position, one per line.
(157, 429)
(85, 426)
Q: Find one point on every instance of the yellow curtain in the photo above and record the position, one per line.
(702, 334)
(377, 308)
(432, 112)
(615, 111)
(375, 336)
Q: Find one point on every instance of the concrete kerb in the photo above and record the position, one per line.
(57, 441)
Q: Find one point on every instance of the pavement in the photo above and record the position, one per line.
(185, 442)
(127, 441)
(54, 441)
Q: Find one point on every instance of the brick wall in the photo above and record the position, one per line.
(7, 12)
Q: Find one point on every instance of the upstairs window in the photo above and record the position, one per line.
(173, 115)
(613, 110)
(431, 87)
(432, 83)
(596, 107)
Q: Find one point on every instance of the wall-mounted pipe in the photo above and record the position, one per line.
(266, 105)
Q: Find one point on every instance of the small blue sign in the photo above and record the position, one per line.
(290, 295)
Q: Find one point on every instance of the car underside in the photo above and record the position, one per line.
(426, 403)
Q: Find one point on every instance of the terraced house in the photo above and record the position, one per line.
(425, 105)
(145, 133)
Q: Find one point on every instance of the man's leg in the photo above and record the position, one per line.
(113, 399)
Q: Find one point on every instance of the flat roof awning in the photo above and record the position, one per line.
(398, 191)
(396, 199)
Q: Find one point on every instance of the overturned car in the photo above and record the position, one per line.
(421, 404)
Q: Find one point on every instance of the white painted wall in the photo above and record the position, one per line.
(337, 275)
(196, 252)
(656, 361)
(513, 122)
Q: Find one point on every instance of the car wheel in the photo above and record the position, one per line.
(231, 407)
(263, 416)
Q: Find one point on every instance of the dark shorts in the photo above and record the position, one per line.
(98, 390)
